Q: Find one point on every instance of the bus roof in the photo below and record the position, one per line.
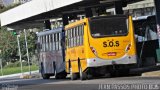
(50, 31)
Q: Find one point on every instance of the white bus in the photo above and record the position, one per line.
(51, 53)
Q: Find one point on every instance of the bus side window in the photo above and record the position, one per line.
(44, 43)
(53, 35)
(81, 35)
(69, 36)
(56, 41)
(39, 43)
(47, 43)
(78, 36)
(60, 41)
(66, 38)
(74, 37)
(50, 41)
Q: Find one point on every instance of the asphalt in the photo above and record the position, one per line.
(144, 82)
(93, 84)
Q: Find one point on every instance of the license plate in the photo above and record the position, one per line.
(111, 53)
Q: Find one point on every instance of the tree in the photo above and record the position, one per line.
(8, 44)
(31, 37)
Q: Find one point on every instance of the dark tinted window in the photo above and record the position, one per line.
(108, 26)
(145, 29)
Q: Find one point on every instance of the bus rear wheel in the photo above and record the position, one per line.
(83, 75)
(61, 75)
(73, 76)
(45, 76)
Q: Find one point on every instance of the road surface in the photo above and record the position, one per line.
(116, 83)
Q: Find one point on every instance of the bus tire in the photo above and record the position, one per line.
(89, 76)
(83, 75)
(73, 76)
(61, 75)
(45, 76)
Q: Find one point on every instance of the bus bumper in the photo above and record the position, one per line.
(95, 62)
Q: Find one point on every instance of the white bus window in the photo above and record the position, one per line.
(72, 38)
(81, 34)
(69, 38)
(55, 41)
(59, 41)
(66, 38)
(47, 42)
(41, 40)
(77, 31)
(44, 43)
(77, 35)
(50, 42)
(57, 46)
(53, 35)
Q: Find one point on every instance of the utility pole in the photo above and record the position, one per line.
(27, 52)
(20, 57)
(1, 65)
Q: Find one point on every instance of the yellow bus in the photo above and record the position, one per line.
(100, 45)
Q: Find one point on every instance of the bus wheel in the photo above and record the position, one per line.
(83, 75)
(73, 76)
(45, 76)
(61, 75)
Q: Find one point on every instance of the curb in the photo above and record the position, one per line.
(20, 74)
(29, 76)
(151, 74)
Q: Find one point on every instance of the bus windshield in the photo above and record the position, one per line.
(108, 26)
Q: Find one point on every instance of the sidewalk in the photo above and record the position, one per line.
(151, 74)
(19, 74)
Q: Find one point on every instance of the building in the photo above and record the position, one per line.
(142, 8)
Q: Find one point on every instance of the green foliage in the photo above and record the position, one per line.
(31, 37)
(16, 64)
(3, 9)
(13, 70)
(8, 45)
